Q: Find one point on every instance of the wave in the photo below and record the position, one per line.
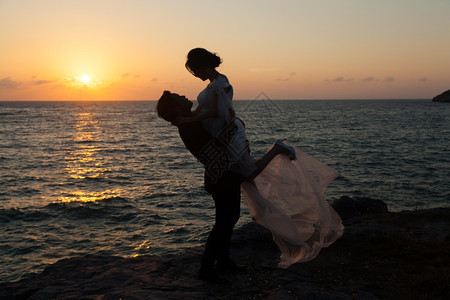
(118, 208)
(7, 113)
(29, 215)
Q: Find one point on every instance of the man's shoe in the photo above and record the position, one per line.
(211, 276)
(229, 266)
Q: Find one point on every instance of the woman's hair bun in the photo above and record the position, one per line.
(215, 60)
(200, 57)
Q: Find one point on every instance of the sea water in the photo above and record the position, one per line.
(112, 178)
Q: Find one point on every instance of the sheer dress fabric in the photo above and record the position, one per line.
(288, 198)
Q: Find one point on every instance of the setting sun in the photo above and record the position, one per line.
(85, 78)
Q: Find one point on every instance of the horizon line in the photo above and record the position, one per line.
(151, 100)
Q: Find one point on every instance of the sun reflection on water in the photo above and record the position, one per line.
(83, 196)
(85, 161)
(142, 247)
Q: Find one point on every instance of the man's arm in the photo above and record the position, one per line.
(200, 114)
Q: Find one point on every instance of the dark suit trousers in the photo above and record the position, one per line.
(227, 198)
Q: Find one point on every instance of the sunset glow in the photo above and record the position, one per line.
(115, 50)
(85, 79)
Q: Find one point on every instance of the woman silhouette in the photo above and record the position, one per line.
(216, 114)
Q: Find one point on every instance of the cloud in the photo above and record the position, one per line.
(287, 78)
(126, 75)
(340, 79)
(8, 83)
(260, 70)
(389, 79)
(154, 79)
(368, 79)
(41, 81)
(423, 79)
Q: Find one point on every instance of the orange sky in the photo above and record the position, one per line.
(135, 49)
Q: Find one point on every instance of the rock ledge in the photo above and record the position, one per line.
(381, 255)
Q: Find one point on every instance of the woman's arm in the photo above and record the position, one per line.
(200, 114)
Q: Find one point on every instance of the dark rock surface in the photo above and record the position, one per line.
(382, 255)
(349, 208)
(444, 97)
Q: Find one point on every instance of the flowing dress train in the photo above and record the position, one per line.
(288, 198)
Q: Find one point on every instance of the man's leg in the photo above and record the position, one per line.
(227, 198)
(228, 205)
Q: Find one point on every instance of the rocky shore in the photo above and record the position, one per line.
(382, 255)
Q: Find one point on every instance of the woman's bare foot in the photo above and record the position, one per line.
(282, 148)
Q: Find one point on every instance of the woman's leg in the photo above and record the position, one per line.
(262, 163)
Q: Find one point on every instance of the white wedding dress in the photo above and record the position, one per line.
(288, 199)
(288, 196)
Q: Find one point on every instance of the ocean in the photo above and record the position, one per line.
(112, 178)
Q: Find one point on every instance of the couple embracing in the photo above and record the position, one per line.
(217, 138)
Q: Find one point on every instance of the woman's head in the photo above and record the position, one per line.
(200, 61)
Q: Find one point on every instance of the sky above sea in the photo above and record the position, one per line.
(133, 50)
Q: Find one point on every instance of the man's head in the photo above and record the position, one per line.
(172, 105)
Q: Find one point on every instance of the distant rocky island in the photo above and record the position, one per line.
(444, 97)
